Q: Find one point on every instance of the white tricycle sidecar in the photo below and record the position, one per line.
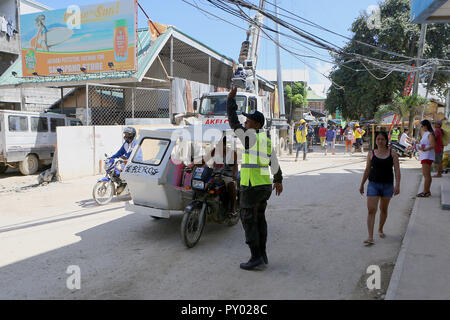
(160, 171)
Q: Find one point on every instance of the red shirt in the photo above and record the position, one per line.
(322, 132)
(439, 147)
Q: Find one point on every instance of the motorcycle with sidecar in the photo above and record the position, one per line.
(170, 177)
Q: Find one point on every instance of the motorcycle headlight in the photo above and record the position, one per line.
(198, 184)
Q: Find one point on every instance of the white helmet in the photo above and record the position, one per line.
(129, 133)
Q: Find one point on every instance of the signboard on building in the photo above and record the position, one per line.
(80, 39)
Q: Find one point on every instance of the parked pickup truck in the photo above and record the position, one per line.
(27, 139)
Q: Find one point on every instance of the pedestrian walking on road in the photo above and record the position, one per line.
(331, 140)
(300, 135)
(380, 189)
(255, 184)
(348, 134)
(358, 133)
(338, 134)
(426, 156)
(439, 148)
(322, 135)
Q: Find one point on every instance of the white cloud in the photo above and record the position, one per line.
(325, 69)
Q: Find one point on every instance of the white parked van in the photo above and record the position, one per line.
(27, 139)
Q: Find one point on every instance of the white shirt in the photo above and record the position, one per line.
(403, 140)
(429, 154)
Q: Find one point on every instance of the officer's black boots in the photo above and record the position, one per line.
(252, 263)
(264, 257)
(255, 260)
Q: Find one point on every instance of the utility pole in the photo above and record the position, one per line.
(423, 30)
(279, 73)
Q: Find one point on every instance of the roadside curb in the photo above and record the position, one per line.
(398, 269)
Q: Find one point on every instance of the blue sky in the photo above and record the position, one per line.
(226, 39)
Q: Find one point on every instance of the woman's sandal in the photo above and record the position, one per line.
(369, 242)
(424, 195)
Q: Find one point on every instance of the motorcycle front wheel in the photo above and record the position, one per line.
(103, 192)
(192, 225)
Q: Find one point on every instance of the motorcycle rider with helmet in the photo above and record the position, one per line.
(129, 135)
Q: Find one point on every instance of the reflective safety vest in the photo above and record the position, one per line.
(301, 134)
(395, 134)
(255, 162)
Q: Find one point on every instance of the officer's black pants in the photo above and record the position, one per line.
(255, 227)
(254, 220)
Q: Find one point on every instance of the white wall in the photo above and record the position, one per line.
(108, 139)
(75, 152)
(80, 149)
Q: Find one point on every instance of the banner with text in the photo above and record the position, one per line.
(80, 39)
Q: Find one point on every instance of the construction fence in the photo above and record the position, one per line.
(111, 105)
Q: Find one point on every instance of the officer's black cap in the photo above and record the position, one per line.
(256, 116)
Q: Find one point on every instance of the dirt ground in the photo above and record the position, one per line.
(13, 180)
(316, 229)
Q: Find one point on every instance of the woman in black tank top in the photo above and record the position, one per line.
(380, 166)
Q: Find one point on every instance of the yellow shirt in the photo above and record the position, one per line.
(301, 135)
(358, 133)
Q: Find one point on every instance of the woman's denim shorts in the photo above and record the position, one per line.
(376, 189)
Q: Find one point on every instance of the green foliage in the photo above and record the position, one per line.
(404, 107)
(363, 93)
(295, 95)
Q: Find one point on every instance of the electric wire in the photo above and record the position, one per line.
(385, 65)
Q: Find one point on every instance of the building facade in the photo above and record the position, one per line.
(15, 98)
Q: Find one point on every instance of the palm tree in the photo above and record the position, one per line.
(403, 107)
(413, 104)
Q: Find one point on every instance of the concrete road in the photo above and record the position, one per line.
(315, 249)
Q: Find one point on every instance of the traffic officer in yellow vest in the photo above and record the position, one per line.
(395, 133)
(256, 186)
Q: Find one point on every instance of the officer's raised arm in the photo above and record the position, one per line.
(246, 136)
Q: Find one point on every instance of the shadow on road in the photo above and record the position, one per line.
(90, 203)
(315, 248)
(39, 222)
